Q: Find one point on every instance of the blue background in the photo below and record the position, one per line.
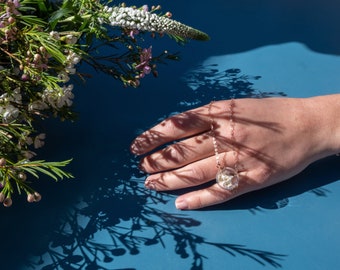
(105, 219)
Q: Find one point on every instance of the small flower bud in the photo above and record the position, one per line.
(25, 77)
(11, 20)
(2, 162)
(30, 198)
(22, 176)
(42, 49)
(7, 202)
(37, 57)
(2, 197)
(155, 73)
(37, 197)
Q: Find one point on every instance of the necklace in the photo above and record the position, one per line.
(226, 177)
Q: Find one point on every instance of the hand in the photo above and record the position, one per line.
(274, 139)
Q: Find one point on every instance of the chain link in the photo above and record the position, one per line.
(232, 134)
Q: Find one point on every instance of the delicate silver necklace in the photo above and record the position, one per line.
(227, 177)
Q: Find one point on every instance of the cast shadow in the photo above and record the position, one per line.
(67, 233)
(120, 218)
(131, 216)
(210, 83)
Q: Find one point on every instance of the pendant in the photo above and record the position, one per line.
(227, 178)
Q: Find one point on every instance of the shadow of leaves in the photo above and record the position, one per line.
(120, 218)
(117, 217)
(211, 83)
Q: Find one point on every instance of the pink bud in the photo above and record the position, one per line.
(7, 202)
(11, 20)
(2, 197)
(168, 14)
(37, 196)
(30, 198)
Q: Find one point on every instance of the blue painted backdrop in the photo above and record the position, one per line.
(105, 219)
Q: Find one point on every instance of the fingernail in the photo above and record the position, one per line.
(181, 204)
(135, 147)
(150, 184)
(141, 167)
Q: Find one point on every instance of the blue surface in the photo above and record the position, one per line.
(105, 219)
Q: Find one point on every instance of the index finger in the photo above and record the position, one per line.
(177, 127)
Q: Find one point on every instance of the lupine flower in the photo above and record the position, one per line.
(143, 20)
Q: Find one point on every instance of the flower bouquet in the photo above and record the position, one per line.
(42, 43)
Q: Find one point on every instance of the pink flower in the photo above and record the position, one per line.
(133, 32)
(145, 58)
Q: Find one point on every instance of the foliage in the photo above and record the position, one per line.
(42, 43)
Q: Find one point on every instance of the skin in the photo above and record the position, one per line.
(274, 139)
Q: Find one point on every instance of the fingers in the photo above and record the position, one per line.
(190, 161)
(194, 174)
(203, 198)
(189, 177)
(214, 195)
(174, 128)
(179, 154)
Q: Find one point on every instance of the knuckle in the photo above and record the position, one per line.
(174, 153)
(198, 173)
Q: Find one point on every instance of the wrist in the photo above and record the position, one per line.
(324, 123)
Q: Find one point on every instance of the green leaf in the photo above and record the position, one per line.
(51, 169)
(59, 14)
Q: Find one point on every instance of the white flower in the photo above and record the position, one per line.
(39, 140)
(16, 97)
(37, 105)
(141, 19)
(28, 154)
(55, 35)
(71, 39)
(70, 69)
(63, 76)
(60, 97)
(9, 113)
(73, 58)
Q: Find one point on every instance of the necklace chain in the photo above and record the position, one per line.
(232, 134)
(226, 177)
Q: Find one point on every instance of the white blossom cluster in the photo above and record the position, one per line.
(8, 111)
(62, 96)
(143, 20)
(72, 58)
(57, 98)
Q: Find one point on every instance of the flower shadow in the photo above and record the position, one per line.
(122, 218)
